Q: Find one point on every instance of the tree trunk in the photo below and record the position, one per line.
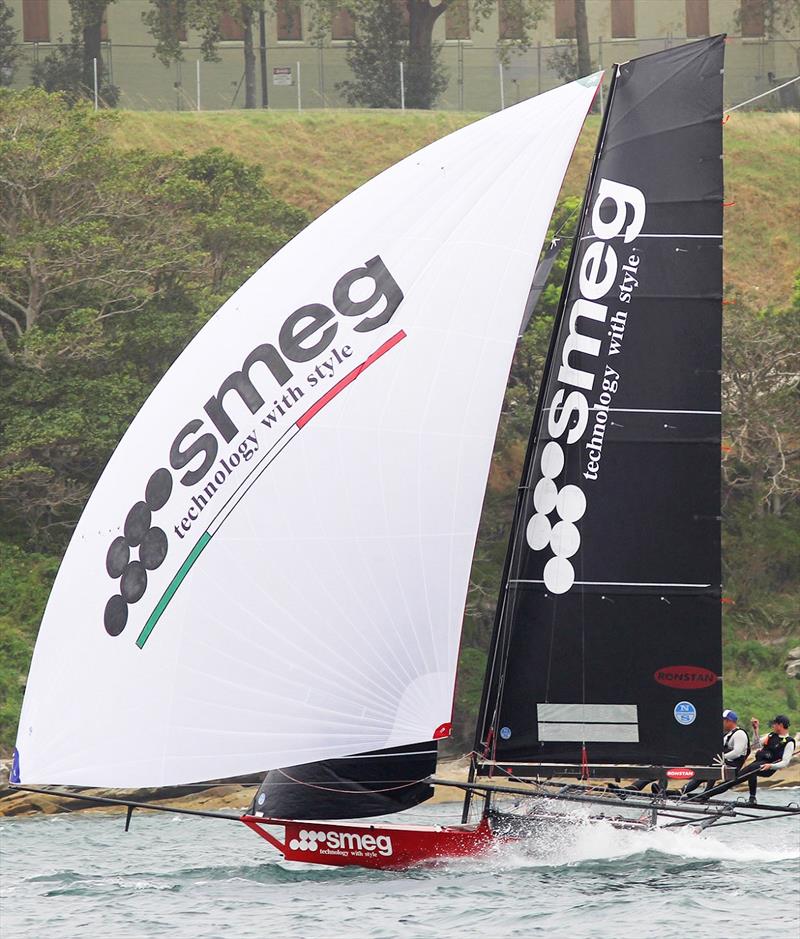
(249, 57)
(421, 18)
(91, 51)
(582, 39)
(262, 56)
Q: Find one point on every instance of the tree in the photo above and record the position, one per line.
(109, 263)
(9, 50)
(70, 66)
(761, 403)
(376, 59)
(168, 20)
(582, 39)
(574, 61)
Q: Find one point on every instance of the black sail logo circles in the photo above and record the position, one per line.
(150, 544)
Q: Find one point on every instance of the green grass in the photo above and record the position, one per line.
(315, 158)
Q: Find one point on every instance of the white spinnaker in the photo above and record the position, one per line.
(319, 615)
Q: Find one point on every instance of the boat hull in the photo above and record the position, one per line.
(373, 845)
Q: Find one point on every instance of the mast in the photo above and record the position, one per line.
(606, 648)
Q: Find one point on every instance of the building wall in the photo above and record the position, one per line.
(475, 76)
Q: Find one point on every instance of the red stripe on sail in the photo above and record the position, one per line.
(350, 377)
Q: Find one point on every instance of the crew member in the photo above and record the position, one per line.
(775, 750)
(735, 749)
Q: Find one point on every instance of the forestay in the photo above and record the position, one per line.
(273, 567)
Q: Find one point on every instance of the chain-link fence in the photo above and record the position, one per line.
(307, 76)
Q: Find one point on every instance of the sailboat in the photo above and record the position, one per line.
(272, 570)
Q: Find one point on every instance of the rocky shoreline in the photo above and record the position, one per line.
(230, 797)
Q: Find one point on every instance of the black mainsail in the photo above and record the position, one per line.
(607, 640)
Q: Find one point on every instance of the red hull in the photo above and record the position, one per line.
(378, 846)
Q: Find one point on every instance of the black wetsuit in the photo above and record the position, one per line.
(771, 752)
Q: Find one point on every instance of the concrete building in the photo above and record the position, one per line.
(300, 68)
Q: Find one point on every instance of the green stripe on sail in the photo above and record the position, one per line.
(169, 593)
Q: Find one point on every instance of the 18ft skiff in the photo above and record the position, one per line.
(271, 572)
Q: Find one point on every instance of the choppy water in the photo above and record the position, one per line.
(82, 876)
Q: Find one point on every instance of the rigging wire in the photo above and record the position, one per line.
(763, 94)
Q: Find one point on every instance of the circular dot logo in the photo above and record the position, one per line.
(538, 531)
(152, 544)
(545, 496)
(158, 489)
(559, 575)
(565, 539)
(137, 524)
(571, 503)
(307, 840)
(134, 582)
(115, 616)
(153, 549)
(552, 461)
(562, 537)
(119, 553)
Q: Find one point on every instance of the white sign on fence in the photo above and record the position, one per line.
(282, 75)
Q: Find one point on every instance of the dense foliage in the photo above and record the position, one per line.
(109, 263)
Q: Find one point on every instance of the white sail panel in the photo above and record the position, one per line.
(273, 567)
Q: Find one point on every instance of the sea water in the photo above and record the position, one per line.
(76, 876)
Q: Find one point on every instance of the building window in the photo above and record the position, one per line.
(290, 22)
(35, 21)
(343, 25)
(230, 29)
(751, 14)
(697, 18)
(104, 27)
(565, 19)
(456, 20)
(623, 25)
(510, 26)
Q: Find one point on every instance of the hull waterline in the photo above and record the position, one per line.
(386, 847)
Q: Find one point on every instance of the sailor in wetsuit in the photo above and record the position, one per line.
(735, 749)
(775, 750)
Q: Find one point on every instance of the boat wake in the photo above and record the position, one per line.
(583, 841)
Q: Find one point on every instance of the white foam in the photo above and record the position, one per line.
(583, 839)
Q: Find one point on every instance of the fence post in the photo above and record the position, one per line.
(94, 65)
(539, 67)
(321, 75)
(502, 90)
(262, 56)
(460, 75)
(198, 84)
(600, 65)
(402, 88)
(299, 90)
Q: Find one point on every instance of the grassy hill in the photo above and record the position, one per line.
(313, 159)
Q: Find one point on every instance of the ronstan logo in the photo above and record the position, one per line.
(680, 772)
(685, 676)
